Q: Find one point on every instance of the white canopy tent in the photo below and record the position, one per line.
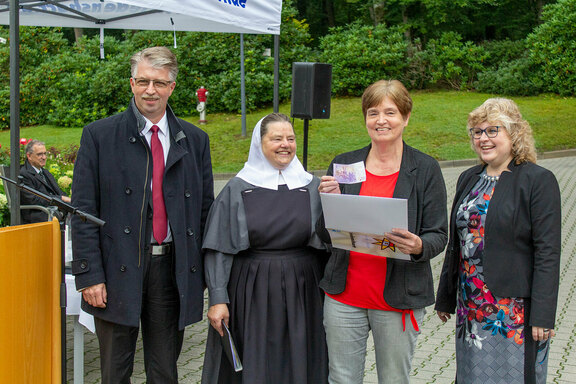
(231, 16)
(237, 16)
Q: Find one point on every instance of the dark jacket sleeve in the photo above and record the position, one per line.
(86, 198)
(27, 198)
(432, 215)
(448, 285)
(545, 211)
(29, 179)
(207, 184)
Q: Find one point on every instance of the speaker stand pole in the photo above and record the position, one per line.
(305, 153)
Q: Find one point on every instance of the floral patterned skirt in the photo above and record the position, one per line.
(492, 346)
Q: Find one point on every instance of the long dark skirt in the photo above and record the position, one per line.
(276, 319)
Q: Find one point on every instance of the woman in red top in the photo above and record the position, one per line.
(372, 293)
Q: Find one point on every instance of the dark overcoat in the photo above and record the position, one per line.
(32, 178)
(112, 178)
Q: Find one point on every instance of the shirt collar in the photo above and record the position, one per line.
(162, 125)
(144, 124)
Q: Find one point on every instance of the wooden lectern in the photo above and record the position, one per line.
(30, 311)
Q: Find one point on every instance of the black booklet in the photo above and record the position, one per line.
(230, 348)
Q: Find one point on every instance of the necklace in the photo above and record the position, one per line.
(490, 178)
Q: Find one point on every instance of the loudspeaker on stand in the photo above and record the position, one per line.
(311, 90)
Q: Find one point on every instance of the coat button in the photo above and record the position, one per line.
(193, 269)
(122, 268)
(190, 232)
(132, 139)
(83, 265)
(127, 230)
(187, 194)
(128, 190)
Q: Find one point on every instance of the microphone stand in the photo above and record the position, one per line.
(69, 209)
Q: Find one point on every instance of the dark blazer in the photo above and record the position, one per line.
(112, 177)
(49, 187)
(522, 240)
(409, 284)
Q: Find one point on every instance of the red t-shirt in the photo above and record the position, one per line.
(366, 275)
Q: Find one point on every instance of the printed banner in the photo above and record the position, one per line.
(234, 16)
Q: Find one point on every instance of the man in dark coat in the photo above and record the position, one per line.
(35, 176)
(129, 272)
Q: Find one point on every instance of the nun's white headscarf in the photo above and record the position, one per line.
(258, 170)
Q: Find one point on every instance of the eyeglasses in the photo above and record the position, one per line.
(158, 84)
(491, 132)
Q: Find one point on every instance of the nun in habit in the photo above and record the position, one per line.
(263, 261)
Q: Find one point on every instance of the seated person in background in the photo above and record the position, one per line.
(35, 176)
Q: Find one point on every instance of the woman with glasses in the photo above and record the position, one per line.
(501, 269)
(385, 296)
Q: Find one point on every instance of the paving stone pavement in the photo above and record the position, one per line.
(434, 360)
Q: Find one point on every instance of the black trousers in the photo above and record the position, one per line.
(160, 335)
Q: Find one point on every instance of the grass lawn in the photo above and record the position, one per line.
(437, 127)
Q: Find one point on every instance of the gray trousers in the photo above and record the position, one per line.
(347, 330)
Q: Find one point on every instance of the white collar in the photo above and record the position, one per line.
(162, 125)
(258, 170)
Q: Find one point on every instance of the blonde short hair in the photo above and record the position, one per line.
(505, 112)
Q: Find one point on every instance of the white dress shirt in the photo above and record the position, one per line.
(164, 137)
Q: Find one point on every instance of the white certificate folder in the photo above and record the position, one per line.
(358, 223)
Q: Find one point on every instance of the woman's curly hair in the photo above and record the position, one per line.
(505, 112)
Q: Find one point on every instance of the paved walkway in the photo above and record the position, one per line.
(434, 360)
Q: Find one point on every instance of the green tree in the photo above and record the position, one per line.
(362, 54)
(322, 15)
(38, 45)
(450, 61)
(474, 20)
(552, 48)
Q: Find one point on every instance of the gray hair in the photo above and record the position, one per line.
(31, 144)
(157, 57)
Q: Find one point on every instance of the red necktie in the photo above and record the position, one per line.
(159, 220)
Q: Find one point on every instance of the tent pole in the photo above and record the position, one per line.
(276, 73)
(242, 85)
(14, 109)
